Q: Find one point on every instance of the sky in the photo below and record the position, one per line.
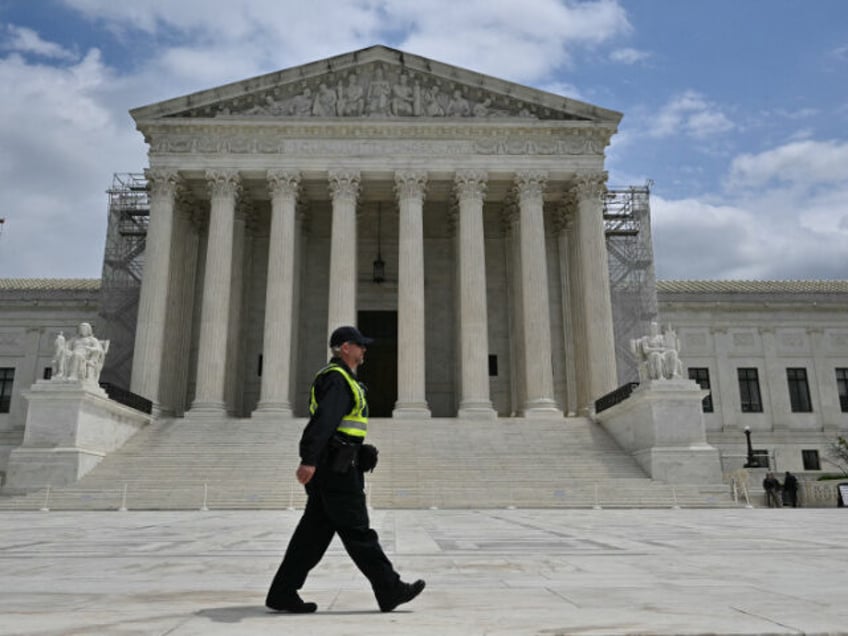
(735, 111)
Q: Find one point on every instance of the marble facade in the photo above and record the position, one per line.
(264, 195)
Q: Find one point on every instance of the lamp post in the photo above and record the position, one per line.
(751, 463)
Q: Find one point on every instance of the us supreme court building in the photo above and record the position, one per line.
(455, 217)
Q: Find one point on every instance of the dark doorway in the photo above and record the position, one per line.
(379, 373)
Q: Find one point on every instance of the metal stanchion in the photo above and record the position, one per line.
(123, 507)
(45, 507)
(205, 507)
(597, 505)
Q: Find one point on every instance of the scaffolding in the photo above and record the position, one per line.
(123, 263)
(633, 287)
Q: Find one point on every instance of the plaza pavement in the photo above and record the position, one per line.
(494, 572)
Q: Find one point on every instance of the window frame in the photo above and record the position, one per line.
(748, 386)
(7, 384)
(799, 390)
(842, 388)
(703, 380)
(811, 459)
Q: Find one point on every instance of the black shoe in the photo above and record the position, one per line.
(404, 593)
(290, 602)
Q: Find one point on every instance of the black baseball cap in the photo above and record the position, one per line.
(348, 334)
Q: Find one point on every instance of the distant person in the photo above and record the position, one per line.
(332, 461)
(772, 487)
(790, 489)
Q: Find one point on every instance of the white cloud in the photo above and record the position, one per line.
(24, 40)
(746, 240)
(690, 114)
(523, 42)
(62, 141)
(840, 53)
(629, 56)
(784, 216)
(805, 163)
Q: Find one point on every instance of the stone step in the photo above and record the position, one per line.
(445, 463)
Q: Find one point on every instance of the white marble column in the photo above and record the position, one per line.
(344, 191)
(411, 402)
(583, 398)
(512, 256)
(538, 369)
(152, 306)
(178, 314)
(564, 225)
(234, 377)
(598, 334)
(279, 297)
(224, 187)
(188, 225)
(470, 188)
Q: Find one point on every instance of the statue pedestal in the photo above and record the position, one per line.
(661, 425)
(70, 427)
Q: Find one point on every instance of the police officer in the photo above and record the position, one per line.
(332, 473)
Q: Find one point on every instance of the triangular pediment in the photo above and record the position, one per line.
(377, 82)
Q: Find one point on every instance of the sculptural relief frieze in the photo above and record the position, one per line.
(377, 90)
(263, 143)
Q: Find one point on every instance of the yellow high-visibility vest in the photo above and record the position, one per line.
(354, 423)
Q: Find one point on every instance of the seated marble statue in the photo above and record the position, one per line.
(658, 355)
(81, 359)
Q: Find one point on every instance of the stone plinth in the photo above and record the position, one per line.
(70, 427)
(662, 426)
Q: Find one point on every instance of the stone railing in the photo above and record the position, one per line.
(615, 397)
(820, 494)
(127, 398)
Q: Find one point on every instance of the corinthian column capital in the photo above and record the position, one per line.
(563, 218)
(344, 184)
(410, 184)
(283, 183)
(590, 186)
(509, 214)
(164, 183)
(470, 184)
(223, 183)
(530, 185)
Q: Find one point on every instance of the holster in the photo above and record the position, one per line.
(342, 454)
(368, 458)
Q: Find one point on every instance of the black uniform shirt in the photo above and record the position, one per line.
(335, 400)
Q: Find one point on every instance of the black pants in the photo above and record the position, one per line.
(335, 504)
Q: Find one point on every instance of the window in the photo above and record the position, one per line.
(48, 373)
(811, 459)
(761, 458)
(701, 375)
(7, 378)
(749, 391)
(799, 390)
(842, 385)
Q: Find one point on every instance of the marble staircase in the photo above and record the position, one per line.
(440, 463)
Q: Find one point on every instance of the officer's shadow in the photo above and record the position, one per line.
(237, 613)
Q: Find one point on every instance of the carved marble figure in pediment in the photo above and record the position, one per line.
(376, 90)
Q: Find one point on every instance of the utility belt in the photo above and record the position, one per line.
(346, 452)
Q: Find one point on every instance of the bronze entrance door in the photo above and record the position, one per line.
(379, 373)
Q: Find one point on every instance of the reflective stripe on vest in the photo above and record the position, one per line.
(354, 423)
